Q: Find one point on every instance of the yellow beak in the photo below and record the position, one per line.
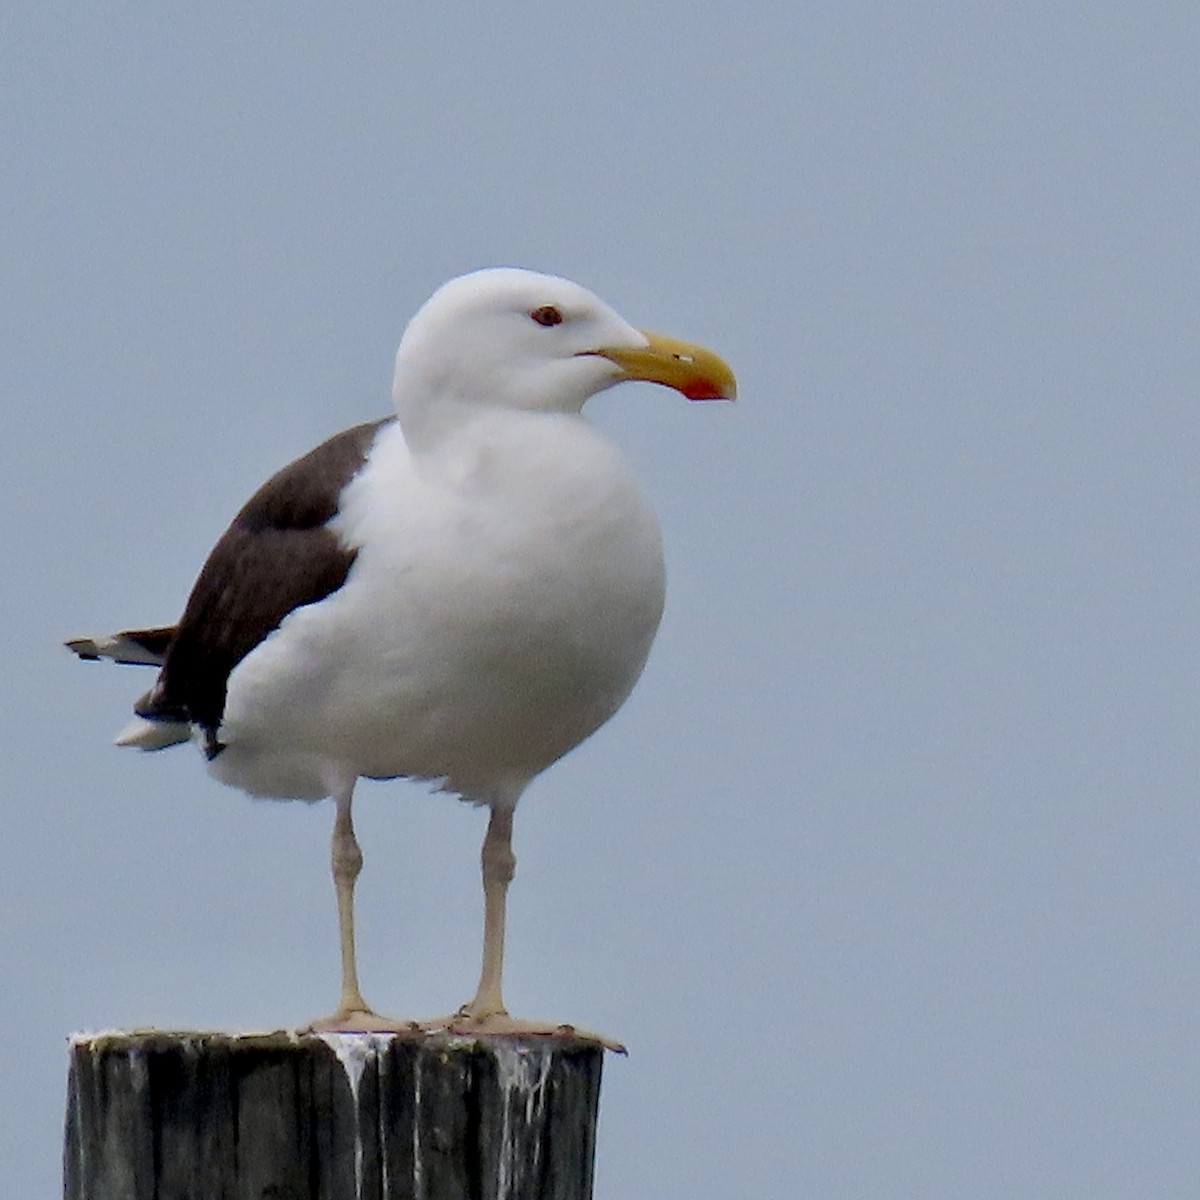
(698, 373)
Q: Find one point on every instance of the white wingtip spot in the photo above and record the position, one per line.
(152, 735)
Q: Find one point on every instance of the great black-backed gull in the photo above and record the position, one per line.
(459, 593)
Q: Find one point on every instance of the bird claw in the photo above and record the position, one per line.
(499, 1024)
(361, 1020)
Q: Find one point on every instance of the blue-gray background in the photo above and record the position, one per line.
(888, 873)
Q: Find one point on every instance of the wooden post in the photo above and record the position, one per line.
(213, 1116)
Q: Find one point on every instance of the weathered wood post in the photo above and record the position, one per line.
(213, 1116)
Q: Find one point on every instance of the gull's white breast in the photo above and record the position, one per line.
(507, 588)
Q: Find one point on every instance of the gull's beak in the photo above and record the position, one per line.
(698, 373)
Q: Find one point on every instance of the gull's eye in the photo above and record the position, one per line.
(547, 315)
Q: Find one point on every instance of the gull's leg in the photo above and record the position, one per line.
(499, 864)
(486, 1014)
(353, 1012)
(347, 861)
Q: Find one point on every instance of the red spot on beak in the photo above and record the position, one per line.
(702, 389)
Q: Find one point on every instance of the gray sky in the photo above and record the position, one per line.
(888, 872)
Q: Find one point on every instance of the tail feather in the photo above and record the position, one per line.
(139, 647)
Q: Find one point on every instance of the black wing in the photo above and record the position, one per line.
(277, 555)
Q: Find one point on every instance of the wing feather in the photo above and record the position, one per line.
(277, 555)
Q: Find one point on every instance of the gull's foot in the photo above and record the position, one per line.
(499, 1024)
(360, 1020)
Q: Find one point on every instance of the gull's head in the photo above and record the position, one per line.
(515, 339)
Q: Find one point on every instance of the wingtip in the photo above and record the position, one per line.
(133, 647)
(141, 734)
